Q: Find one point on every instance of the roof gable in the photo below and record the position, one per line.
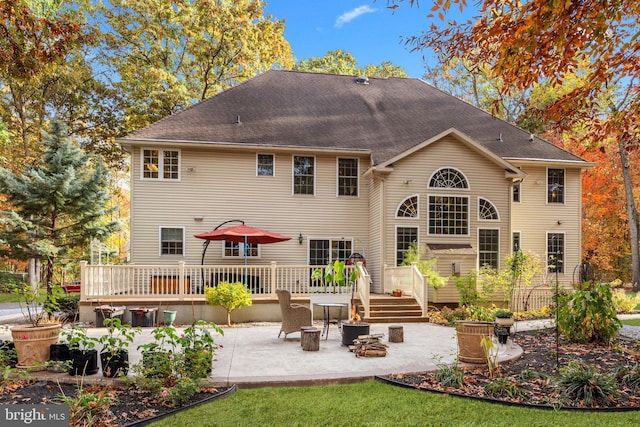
(386, 117)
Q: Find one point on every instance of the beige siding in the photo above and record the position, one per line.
(485, 178)
(223, 185)
(533, 217)
(374, 256)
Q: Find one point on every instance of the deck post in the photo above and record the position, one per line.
(274, 272)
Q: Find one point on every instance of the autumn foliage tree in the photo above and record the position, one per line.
(528, 42)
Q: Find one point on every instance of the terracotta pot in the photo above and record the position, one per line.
(469, 335)
(396, 293)
(33, 344)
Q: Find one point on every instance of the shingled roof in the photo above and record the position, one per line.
(326, 111)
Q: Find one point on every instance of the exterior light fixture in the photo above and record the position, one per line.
(300, 238)
(198, 218)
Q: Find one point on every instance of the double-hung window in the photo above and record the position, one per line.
(171, 241)
(448, 214)
(488, 247)
(160, 164)
(304, 175)
(237, 250)
(265, 165)
(348, 177)
(555, 252)
(555, 186)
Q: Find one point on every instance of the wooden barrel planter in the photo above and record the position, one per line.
(469, 335)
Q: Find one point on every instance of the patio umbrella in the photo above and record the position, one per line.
(240, 234)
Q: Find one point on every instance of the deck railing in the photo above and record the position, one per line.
(183, 281)
(410, 281)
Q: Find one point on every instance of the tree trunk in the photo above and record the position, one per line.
(632, 212)
(32, 274)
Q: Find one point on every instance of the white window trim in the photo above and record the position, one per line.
(417, 196)
(274, 163)
(521, 187)
(564, 188)
(564, 252)
(449, 188)
(330, 239)
(240, 251)
(478, 244)
(293, 175)
(468, 215)
(395, 247)
(357, 196)
(160, 164)
(184, 246)
(492, 204)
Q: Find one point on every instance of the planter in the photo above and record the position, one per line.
(351, 331)
(469, 336)
(84, 362)
(107, 312)
(114, 364)
(169, 317)
(396, 293)
(506, 322)
(502, 334)
(59, 352)
(32, 344)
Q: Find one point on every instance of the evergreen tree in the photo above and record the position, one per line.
(55, 206)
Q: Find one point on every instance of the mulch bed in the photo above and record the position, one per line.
(130, 407)
(533, 374)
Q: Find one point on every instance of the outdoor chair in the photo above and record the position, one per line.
(294, 316)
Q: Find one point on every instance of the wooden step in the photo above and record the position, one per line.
(394, 310)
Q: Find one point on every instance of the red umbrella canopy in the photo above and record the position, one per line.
(239, 233)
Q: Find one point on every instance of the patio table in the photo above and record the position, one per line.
(326, 320)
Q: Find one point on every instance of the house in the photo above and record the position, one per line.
(346, 165)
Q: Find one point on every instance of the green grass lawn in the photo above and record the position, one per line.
(375, 404)
(631, 322)
(11, 297)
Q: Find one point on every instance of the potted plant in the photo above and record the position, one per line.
(198, 346)
(84, 356)
(114, 357)
(504, 318)
(32, 341)
(396, 292)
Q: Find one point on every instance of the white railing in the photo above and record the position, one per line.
(183, 281)
(410, 281)
(363, 289)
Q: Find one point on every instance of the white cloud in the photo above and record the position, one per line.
(347, 17)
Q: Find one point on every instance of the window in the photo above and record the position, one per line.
(265, 165)
(555, 252)
(516, 192)
(515, 240)
(161, 164)
(408, 208)
(324, 251)
(448, 215)
(303, 175)
(486, 210)
(236, 250)
(488, 247)
(171, 241)
(448, 178)
(404, 237)
(348, 177)
(555, 185)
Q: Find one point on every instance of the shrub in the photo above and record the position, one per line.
(414, 254)
(624, 302)
(231, 296)
(68, 306)
(583, 383)
(466, 287)
(460, 313)
(589, 315)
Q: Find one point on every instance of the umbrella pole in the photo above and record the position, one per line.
(245, 261)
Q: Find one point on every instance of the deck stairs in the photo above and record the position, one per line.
(388, 309)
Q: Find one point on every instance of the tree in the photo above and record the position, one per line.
(56, 206)
(525, 43)
(343, 63)
(169, 54)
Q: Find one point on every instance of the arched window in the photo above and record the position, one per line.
(486, 210)
(448, 178)
(408, 208)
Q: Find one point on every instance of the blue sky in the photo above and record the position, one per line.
(368, 30)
